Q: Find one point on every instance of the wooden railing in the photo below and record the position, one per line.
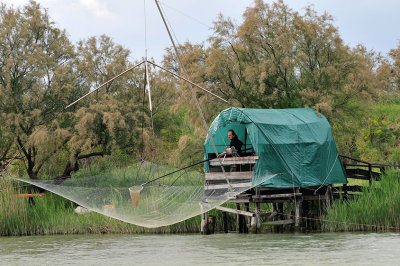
(362, 170)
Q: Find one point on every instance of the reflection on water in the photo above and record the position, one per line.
(299, 249)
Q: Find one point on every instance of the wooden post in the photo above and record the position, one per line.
(256, 221)
(281, 216)
(288, 213)
(239, 226)
(305, 211)
(225, 222)
(297, 211)
(329, 196)
(203, 220)
(257, 210)
(289, 210)
(344, 191)
(245, 218)
(275, 217)
(370, 174)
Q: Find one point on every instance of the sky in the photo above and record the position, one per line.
(373, 23)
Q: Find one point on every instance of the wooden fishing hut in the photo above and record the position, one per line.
(289, 160)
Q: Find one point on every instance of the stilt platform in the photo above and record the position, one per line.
(278, 209)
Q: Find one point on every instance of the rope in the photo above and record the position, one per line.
(326, 178)
(145, 27)
(169, 24)
(186, 15)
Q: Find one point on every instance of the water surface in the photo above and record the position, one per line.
(229, 249)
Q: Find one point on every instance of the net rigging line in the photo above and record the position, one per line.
(185, 14)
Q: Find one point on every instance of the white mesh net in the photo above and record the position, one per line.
(120, 194)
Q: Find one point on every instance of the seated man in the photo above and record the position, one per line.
(235, 147)
(235, 142)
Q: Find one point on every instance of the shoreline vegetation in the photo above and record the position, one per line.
(377, 209)
(261, 63)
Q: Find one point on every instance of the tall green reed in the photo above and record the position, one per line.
(376, 209)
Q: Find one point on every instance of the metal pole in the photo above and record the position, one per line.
(193, 94)
(102, 85)
(188, 81)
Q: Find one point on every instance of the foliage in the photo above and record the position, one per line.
(377, 208)
(276, 58)
(35, 84)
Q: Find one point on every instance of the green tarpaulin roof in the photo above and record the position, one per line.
(296, 144)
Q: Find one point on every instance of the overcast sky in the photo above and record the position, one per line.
(373, 23)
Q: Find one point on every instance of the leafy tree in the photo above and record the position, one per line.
(278, 58)
(36, 81)
(389, 73)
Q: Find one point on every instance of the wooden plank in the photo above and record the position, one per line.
(354, 188)
(279, 222)
(240, 200)
(234, 160)
(363, 174)
(226, 186)
(245, 213)
(275, 196)
(214, 176)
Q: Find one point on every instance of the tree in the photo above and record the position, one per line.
(278, 58)
(36, 81)
(389, 72)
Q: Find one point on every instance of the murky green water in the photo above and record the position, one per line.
(295, 249)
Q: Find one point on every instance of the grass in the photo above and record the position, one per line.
(377, 209)
(52, 214)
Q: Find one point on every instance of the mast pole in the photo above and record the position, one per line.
(193, 93)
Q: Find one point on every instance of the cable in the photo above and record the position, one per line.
(169, 25)
(145, 27)
(186, 15)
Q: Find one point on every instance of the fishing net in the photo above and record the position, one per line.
(119, 194)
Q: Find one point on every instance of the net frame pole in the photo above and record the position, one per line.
(192, 91)
(188, 81)
(102, 85)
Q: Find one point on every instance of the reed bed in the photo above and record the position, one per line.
(52, 214)
(377, 208)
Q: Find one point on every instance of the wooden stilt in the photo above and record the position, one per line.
(203, 220)
(274, 218)
(328, 196)
(203, 223)
(289, 210)
(225, 222)
(239, 226)
(256, 221)
(257, 210)
(288, 213)
(280, 215)
(297, 211)
(246, 219)
(305, 210)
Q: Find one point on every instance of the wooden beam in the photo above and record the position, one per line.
(234, 160)
(226, 186)
(214, 176)
(279, 222)
(245, 213)
(275, 196)
(240, 200)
